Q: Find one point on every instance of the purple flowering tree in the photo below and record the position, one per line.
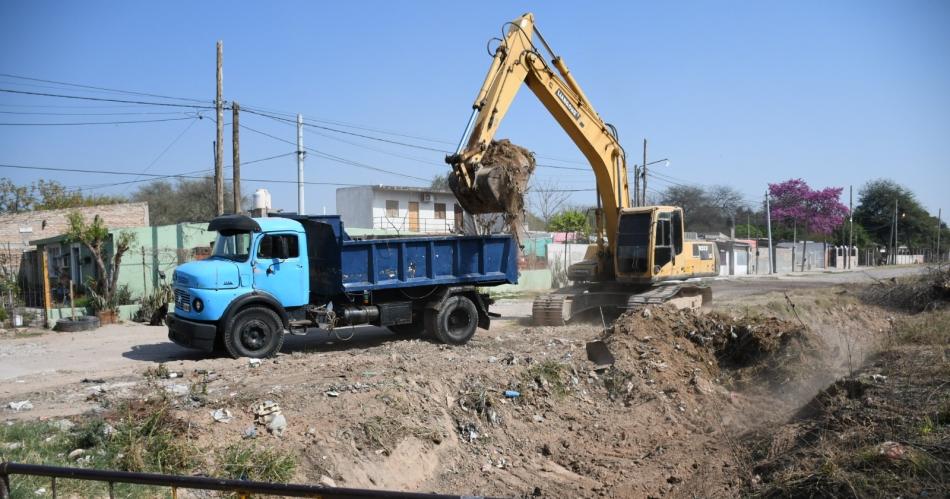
(816, 211)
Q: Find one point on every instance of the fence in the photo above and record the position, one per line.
(424, 225)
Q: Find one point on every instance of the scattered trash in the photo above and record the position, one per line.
(268, 413)
(62, 424)
(40, 491)
(254, 362)
(222, 415)
(468, 431)
(23, 405)
(538, 418)
(492, 359)
(599, 354)
(891, 450)
(250, 432)
(332, 393)
(12, 445)
(76, 454)
(107, 430)
(512, 394)
(178, 389)
(879, 378)
(277, 425)
(326, 481)
(92, 380)
(175, 374)
(647, 313)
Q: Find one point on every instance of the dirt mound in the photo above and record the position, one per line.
(929, 291)
(499, 184)
(742, 350)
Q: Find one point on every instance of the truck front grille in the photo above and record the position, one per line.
(182, 300)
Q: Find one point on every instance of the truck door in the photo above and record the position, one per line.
(284, 278)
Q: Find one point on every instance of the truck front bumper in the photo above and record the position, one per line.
(191, 334)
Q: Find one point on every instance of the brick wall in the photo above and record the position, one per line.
(19, 229)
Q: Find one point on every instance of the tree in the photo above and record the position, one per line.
(94, 237)
(547, 198)
(47, 195)
(183, 201)
(815, 211)
(705, 209)
(569, 221)
(875, 212)
(440, 182)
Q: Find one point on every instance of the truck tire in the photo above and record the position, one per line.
(76, 324)
(254, 332)
(455, 322)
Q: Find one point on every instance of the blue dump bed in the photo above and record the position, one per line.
(424, 261)
(340, 264)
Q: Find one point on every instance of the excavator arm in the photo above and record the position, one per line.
(518, 61)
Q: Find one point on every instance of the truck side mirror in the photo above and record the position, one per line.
(282, 250)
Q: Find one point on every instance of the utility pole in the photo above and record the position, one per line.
(893, 255)
(644, 173)
(236, 155)
(219, 142)
(636, 185)
(939, 217)
(300, 155)
(768, 224)
(850, 224)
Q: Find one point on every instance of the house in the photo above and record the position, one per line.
(155, 251)
(400, 209)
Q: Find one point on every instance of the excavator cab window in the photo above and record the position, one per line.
(633, 243)
(663, 247)
(677, 233)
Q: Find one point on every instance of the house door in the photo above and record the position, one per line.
(413, 216)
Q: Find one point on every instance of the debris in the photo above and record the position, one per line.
(23, 405)
(76, 454)
(277, 425)
(468, 431)
(538, 418)
(62, 424)
(891, 450)
(599, 354)
(222, 415)
(12, 445)
(254, 362)
(326, 481)
(879, 378)
(647, 313)
(40, 491)
(332, 393)
(512, 394)
(178, 389)
(250, 432)
(92, 380)
(492, 359)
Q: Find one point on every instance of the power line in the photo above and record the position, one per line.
(129, 92)
(172, 143)
(99, 122)
(34, 113)
(103, 99)
(336, 158)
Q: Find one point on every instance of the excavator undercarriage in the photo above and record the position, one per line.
(598, 302)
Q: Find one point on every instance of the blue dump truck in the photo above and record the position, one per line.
(267, 277)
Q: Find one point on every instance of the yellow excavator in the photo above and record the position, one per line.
(641, 255)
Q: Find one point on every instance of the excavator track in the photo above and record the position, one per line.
(549, 310)
(559, 307)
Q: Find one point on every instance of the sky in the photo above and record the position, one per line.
(739, 93)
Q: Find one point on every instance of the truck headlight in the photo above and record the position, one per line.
(198, 305)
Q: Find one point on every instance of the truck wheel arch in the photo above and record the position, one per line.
(467, 291)
(255, 298)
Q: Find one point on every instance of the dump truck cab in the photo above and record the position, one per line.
(253, 263)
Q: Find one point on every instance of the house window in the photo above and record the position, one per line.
(440, 211)
(269, 244)
(392, 208)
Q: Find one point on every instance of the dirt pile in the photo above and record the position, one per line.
(743, 350)
(499, 184)
(930, 291)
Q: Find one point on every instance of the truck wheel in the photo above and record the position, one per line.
(455, 322)
(253, 332)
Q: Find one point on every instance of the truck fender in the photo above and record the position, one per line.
(439, 298)
(255, 297)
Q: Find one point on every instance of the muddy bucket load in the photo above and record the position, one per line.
(498, 182)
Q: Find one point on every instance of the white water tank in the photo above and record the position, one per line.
(262, 200)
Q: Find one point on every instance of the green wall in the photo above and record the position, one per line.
(165, 247)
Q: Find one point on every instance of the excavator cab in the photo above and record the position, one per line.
(648, 239)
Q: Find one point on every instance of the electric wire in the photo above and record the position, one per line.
(104, 99)
(84, 123)
(92, 87)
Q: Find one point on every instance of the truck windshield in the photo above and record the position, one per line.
(233, 246)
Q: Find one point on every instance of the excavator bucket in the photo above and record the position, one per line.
(498, 181)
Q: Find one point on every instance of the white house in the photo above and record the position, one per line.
(411, 209)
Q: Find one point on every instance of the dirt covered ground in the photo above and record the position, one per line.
(695, 404)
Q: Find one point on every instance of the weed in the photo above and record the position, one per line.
(159, 372)
(243, 461)
(149, 438)
(381, 432)
(548, 375)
